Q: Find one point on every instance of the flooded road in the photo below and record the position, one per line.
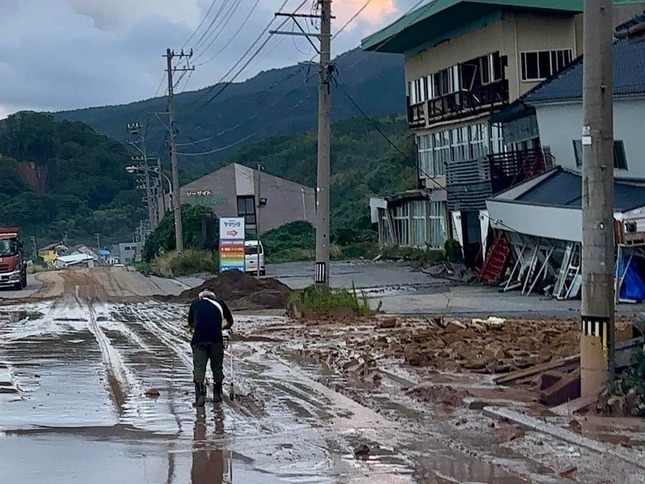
(94, 390)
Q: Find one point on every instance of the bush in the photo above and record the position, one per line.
(414, 255)
(626, 395)
(453, 251)
(314, 301)
(360, 250)
(190, 262)
(295, 241)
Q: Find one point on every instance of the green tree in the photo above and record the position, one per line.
(162, 239)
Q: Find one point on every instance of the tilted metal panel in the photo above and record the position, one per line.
(468, 184)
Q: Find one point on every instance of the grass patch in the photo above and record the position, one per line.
(190, 262)
(315, 301)
(36, 268)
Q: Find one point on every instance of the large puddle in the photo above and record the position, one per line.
(81, 413)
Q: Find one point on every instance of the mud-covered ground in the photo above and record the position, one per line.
(96, 386)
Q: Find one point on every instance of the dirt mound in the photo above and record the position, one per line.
(241, 292)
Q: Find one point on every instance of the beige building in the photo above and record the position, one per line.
(234, 190)
(465, 60)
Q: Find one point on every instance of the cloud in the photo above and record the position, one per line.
(68, 54)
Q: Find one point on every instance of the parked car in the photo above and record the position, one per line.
(251, 257)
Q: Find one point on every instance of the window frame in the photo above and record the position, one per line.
(555, 58)
(249, 216)
(618, 151)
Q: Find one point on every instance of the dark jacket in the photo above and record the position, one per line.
(206, 320)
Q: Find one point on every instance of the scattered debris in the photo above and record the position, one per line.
(153, 393)
(362, 452)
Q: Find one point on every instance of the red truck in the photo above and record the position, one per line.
(13, 266)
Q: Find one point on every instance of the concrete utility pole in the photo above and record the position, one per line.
(98, 241)
(33, 239)
(597, 310)
(324, 134)
(170, 55)
(138, 141)
(324, 147)
(258, 206)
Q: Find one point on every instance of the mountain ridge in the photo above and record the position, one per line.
(272, 103)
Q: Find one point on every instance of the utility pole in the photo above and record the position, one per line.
(138, 141)
(258, 206)
(98, 241)
(324, 134)
(161, 193)
(33, 239)
(170, 55)
(597, 344)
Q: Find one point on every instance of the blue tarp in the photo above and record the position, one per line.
(633, 286)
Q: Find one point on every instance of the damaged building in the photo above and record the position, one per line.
(536, 226)
(464, 60)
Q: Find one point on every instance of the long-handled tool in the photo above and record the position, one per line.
(226, 337)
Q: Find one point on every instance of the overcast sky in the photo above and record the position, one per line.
(66, 54)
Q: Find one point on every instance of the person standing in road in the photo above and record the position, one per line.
(208, 317)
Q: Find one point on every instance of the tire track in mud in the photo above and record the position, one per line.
(120, 380)
(176, 340)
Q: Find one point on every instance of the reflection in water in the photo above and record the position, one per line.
(209, 465)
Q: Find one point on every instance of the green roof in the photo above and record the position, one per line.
(440, 18)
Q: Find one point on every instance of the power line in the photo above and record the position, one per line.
(214, 35)
(380, 131)
(234, 36)
(210, 9)
(240, 60)
(360, 11)
(207, 32)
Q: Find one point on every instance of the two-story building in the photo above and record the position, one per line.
(539, 221)
(465, 60)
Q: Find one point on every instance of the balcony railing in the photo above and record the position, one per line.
(458, 104)
(416, 115)
(509, 169)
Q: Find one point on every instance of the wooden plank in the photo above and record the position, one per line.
(535, 370)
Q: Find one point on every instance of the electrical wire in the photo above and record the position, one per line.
(360, 11)
(234, 36)
(240, 60)
(378, 129)
(215, 34)
(208, 31)
(208, 12)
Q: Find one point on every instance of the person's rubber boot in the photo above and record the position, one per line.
(200, 394)
(217, 392)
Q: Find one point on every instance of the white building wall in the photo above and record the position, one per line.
(560, 124)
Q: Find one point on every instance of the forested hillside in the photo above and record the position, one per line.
(61, 177)
(273, 103)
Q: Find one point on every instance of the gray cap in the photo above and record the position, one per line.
(206, 293)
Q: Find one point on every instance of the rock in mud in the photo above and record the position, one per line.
(153, 393)
(388, 323)
(362, 452)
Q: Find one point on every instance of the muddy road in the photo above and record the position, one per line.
(96, 386)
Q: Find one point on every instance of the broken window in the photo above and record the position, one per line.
(540, 65)
(620, 158)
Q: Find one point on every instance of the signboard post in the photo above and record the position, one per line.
(231, 244)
